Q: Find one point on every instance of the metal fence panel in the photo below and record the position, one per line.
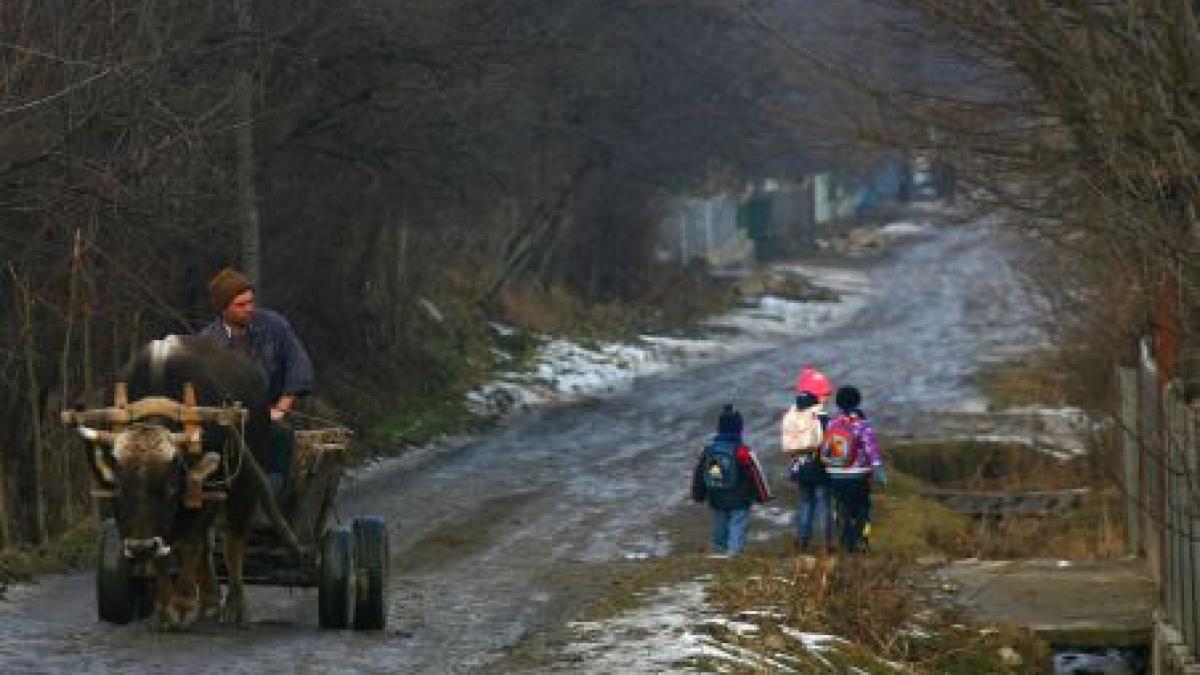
(1131, 487)
(1191, 545)
(695, 227)
(1173, 524)
(1152, 471)
(1160, 439)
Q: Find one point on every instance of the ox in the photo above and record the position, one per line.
(148, 472)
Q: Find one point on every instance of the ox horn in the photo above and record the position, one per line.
(96, 435)
(205, 467)
(100, 456)
(180, 437)
(104, 467)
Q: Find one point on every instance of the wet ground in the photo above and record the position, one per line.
(522, 529)
(1065, 601)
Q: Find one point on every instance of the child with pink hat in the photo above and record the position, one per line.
(801, 432)
(812, 381)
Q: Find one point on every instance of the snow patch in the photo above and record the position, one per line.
(675, 626)
(777, 516)
(814, 643)
(655, 637)
(906, 228)
(565, 371)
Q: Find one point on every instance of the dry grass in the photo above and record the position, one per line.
(867, 600)
(908, 526)
(1094, 529)
(74, 549)
(542, 311)
(1033, 379)
(982, 465)
(672, 301)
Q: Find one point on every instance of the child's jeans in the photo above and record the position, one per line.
(729, 530)
(813, 506)
(850, 501)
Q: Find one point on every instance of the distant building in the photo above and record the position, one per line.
(776, 218)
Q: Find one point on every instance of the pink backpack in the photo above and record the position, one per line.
(840, 447)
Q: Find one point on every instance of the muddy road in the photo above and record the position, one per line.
(515, 531)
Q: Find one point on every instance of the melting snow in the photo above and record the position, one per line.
(672, 628)
(905, 229)
(657, 636)
(564, 371)
(779, 516)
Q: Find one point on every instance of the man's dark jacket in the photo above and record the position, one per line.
(274, 346)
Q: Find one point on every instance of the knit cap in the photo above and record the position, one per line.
(730, 423)
(226, 286)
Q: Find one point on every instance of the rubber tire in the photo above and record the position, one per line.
(114, 585)
(141, 593)
(335, 591)
(371, 549)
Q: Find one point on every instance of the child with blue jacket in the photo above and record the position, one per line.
(729, 477)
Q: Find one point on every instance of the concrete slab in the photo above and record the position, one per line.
(1093, 602)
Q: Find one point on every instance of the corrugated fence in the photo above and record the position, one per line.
(703, 228)
(1161, 478)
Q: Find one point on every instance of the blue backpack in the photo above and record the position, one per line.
(720, 467)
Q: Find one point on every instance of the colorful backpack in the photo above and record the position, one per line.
(721, 472)
(839, 448)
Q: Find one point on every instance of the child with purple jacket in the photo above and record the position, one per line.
(851, 456)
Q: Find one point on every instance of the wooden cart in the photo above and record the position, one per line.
(346, 563)
(349, 563)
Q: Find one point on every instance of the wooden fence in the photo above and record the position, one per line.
(1161, 480)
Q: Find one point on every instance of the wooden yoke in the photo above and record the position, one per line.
(193, 494)
(120, 402)
(116, 417)
(187, 414)
(191, 421)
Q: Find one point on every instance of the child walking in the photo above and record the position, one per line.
(801, 432)
(850, 453)
(729, 477)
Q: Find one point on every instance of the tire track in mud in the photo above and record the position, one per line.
(488, 542)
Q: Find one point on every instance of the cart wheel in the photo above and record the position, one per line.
(141, 594)
(335, 594)
(114, 590)
(371, 549)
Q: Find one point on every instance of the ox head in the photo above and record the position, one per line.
(148, 472)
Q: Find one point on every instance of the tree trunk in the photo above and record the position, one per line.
(546, 218)
(247, 190)
(64, 375)
(85, 311)
(64, 479)
(25, 307)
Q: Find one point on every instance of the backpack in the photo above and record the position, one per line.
(839, 449)
(720, 468)
(807, 468)
(800, 430)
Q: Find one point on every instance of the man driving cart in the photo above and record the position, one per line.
(267, 338)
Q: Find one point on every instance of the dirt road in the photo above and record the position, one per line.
(516, 530)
